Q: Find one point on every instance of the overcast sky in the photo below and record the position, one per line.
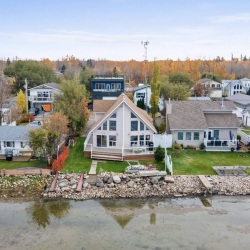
(114, 29)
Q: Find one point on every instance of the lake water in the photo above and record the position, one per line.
(187, 223)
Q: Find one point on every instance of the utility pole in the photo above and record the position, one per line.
(146, 80)
(26, 91)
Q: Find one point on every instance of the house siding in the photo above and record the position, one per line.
(191, 142)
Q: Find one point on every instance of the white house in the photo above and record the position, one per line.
(233, 87)
(14, 138)
(210, 122)
(144, 92)
(246, 118)
(121, 131)
(42, 96)
(213, 88)
(240, 100)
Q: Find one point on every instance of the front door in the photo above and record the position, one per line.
(108, 87)
(209, 135)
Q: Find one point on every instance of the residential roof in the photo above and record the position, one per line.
(191, 114)
(48, 85)
(222, 120)
(203, 80)
(240, 98)
(14, 133)
(122, 98)
(102, 105)
(140, 87)
(200, 98)
(10, 103)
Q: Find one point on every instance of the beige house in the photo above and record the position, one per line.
(210, 122)
(121, 131)
(211, 88)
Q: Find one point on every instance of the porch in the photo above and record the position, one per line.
(221, 145)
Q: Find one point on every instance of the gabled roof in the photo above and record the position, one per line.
(140, 87)
(222, 120)
(49, 85)
(124, 99)
(102, 105)
(14, 133)
(199, 98)
(203, 80)
(240, 98)
(191, 114)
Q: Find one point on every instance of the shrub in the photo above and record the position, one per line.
(202, 146)
(58, 164)
(162, 127)
(26, 118)
(239, 137)
(159, 154)
(176, 147)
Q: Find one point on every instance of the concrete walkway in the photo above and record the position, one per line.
(89, 124)
(93, 167)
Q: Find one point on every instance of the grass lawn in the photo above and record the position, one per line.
(246, 130)
(19, 164)
(77, 162)
(189, 162)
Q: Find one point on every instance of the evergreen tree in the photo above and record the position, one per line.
(115, 73)
(140, 104)
(63, 68)
(90, 63)
(8, 62)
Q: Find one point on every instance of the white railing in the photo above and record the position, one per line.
(106, 90)
(244, 137)
(169, 163)
(41, 99)
(220, 145)
(86, 141)
(138, 150)
(15, 151)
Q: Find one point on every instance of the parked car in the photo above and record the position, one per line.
(35, 124)
(34, 111)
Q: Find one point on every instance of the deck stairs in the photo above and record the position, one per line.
(214, 190)
(106, 156)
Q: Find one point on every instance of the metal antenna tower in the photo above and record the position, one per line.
(146, 80)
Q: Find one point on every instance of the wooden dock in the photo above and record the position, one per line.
(205, 182)
(79, 186)
(53, 184)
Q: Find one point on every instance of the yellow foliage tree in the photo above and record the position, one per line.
(21, 102)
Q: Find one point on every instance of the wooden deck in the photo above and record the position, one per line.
(26, 172)
(205, 182)
(16, 158)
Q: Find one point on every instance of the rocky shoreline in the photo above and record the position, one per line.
(113, 185)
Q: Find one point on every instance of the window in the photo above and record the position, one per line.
(216, 134)
(112, 140)
(213, 86)
(105, 126)
(100, 128)
(218, 85)
(196, 136)
(134, 125)
(147, 128)
(141, 126)
(116, 86)
(188, 136)
(133, 140)
(147, 139)
(140, 95)
(9, 144)
(101, 141)
(141, 140)
(112, 125)
(113, 116)
(22, 144)
(100, 86)
(180, 136)
(133, 115)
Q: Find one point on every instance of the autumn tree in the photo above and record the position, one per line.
(73, 103)
(37, 139)
(36, 74)
(198, 90)
(56, 126)
(5, 93)
(155, 87)
(21, 102)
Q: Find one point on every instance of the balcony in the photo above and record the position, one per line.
(106, 90)
(40, 99)
(221, 145)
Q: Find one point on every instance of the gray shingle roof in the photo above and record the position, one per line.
(222, 120)
(190, 114)
(240, 98)
(14, 133)
(49, 84)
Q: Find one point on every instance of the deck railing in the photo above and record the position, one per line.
(40, 99)
(219, 145)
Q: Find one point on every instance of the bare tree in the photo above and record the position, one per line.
(5, 93)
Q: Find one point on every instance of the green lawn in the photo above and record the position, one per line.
(77, 162)
(17, 164)
(189, 162)
(246, 130)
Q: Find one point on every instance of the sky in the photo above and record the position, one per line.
(114, 29)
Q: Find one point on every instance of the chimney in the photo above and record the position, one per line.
(169, 108)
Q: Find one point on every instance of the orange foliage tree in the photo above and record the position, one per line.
(58, 163)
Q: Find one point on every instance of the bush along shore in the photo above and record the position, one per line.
(113, 185)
